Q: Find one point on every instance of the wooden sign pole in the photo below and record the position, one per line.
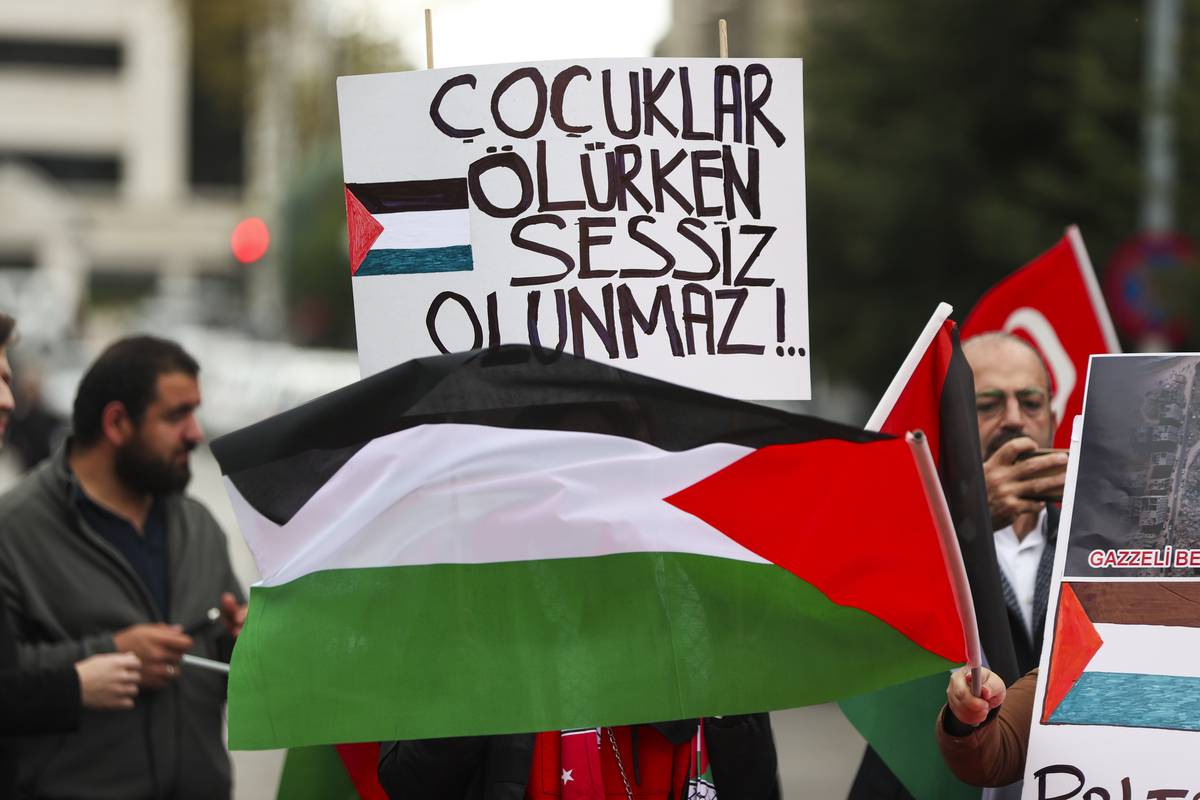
(428, 39)
(723, 31)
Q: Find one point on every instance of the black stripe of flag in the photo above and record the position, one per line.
(393, 197)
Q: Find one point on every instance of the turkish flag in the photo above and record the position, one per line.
(581, 778)
(1054, 303)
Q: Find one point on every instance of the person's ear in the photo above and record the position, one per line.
(116, 425)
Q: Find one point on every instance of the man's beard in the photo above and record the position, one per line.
(1001, 439)
(148, 474)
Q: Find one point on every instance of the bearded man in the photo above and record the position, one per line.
(101, 552)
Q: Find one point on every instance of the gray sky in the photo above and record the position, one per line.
(494, 31)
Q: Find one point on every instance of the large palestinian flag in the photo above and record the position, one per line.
(487, 543)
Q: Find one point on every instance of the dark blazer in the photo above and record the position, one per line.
(874, 781)
(741, 750)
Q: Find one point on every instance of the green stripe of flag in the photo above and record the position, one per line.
(427, 651)
(898, 722)
(416, 260)
(315, 773)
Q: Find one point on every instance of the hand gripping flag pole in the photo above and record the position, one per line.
(950, 552)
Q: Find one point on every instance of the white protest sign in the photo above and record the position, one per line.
(644, 212)
(1116, 714)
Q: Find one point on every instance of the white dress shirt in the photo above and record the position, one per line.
(1019, 562)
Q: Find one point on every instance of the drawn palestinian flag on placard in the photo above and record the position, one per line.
(488, 543)
(408, 227)
(1124, 655)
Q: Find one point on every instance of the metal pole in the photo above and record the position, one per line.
(1164, 19)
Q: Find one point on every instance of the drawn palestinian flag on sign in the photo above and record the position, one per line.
(1123, 655)
(488, 543)
(408, 227)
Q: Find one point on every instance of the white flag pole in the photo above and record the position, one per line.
(428, 38)
(951, 553)
(1093, 289)
(888, 401)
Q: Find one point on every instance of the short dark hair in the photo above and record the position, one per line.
(127, 371)
(7, 325)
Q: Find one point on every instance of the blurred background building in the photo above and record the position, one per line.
(128, 194)
(136, 135)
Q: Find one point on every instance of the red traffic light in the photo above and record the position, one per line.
(250, 240)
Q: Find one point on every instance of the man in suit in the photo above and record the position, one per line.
(1012, 400)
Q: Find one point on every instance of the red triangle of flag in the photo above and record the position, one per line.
(850, 519)
(919, 405)
(362, 228)
(1075, 642)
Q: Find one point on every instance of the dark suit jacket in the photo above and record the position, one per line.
(1029, 648)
